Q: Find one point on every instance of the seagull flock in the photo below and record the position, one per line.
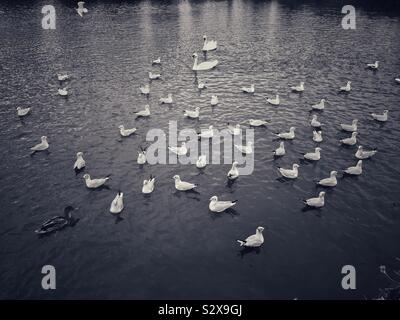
(216, 205)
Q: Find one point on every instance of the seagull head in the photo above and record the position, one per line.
(281, 144)
(176, 177)
(318, 149)
(360, 148)
(197, 109)
(194, 55)
(121, 127)
(234, 164)
(323, 100)
(86, 176)
(348, 82)
(204, 37)
(260, 229)
(250, 143)
(355, 121)
(296, 166)
(292, 129)
(354, 134)
(214, 198)
(359, 163)
(321, 194)
(314, 117)
(19, 108)
(43, 138)
(385, 111)
(79, 154)
(147, 107)
(333, 173)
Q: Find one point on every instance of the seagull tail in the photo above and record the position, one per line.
(234, 201)
(242, 242)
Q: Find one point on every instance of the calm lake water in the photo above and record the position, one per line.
(169, 245)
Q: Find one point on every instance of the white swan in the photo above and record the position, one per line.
(209, 45)
(274, 101)
(316, 202)
(253, 241)
(248, 89)
(80, 162)
(21, 112)
(206, 65)
(117, 205)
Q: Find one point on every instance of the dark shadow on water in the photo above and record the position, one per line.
(247, 250)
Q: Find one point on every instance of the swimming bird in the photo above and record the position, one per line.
(347, 87)
(350, 127)
(167, 100)
(365, 154)
(203, 66)
(287, 135)
(143, 113)
(94, 183)
(154, 76)
(81, 9)
(280, 151)
(157, 61)
(44, 145)
(234, 172)
(206, 133)
(117, 205)
(192, 114)
(183, 185)
(214, 100)
(253, 241)
(299, 88)
(209, 45)
(319, 106)
(148, 185)
(274, 101)
(141, 159)
(201, 161)
(380, 117)
(313, 156)
(316, 202)
(201, 85)
(356, 170)
(62, 77)
(144, 89)
(63, 92)
(21, 112)
(248, 89)
(234, 130)
(180, 151)
(290, 173)
(220, 206)
(314, 122)
(58, 222)
(80, 162)
(317, 136)
(373, 66)
(126, 132)
(350, 141)
(257, 122)
(397, 80)
(329, 182)
(245, 149)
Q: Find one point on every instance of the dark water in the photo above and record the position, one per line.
(168, 245)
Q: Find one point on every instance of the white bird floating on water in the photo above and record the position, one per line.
(141, 159)
(245, 149)
(193, 114)
(154, 76)
(126, 132)
(143, 113)
(280, 151)
(117, 205)
(62, 91)
(44, 145)
(209, 45)
(350, 141)
(234, 172)
(214, 100)
(201, 85)
(313, 156)
(299, 88)
(290, 173)
(350, 127)
(319, 106)
(203, 66)
(234, 130)
(365, 154)
(145, 89)
(180, 151)
(356, 170)
(219, 206)
(397, 80)
(201, 161)
(167, 100)
(380, 117)
(248, 89)
(316, 202)
(347, 87)
(81, 9)
(373, 66)
(274, 101)
(94, 183)
(21, 112)
(287, 135)
(148, 185)
(206, 133)
(329, 182)
(257, 122)
(62, 77)
(317, 136)
(80, 162)
(314, 122)
(157, 61)
(253, 241)
(183, 185)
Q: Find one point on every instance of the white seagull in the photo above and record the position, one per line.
(299, 88)
(356, 170)
(21, 112)
(201, 161)
(314, 122)
(397, 80)
(203, 66)
(219, 206)
(63, 92)
(380, 117)
(319, 106)
(167, 100)
(234, 130)
(144, 89)
(316, 202)
(94, 183)
(373, 66)
(143, 113)
(347, 87)
(194, 114)
(154, 76)
(148, 185)
(183, 185)
(62, 77)
(44, 145)
(81, 9)
(117, 205)
(234, 172)
(365, 154)
(350, 127)
(290, 173)
(329, 182)
(245, 149)
(157, 61)
(80, 162)
(287, 135)
(201, 85)
(180, 151)
(126, 132)
(317, 136)
(254, 241)
(209, 45)
(214, 100)
(248, 89)
(207, 133)
(280, 151)
(274, 101)
(257, 122)
(141, 159)
(350, 141)
(313, 156)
